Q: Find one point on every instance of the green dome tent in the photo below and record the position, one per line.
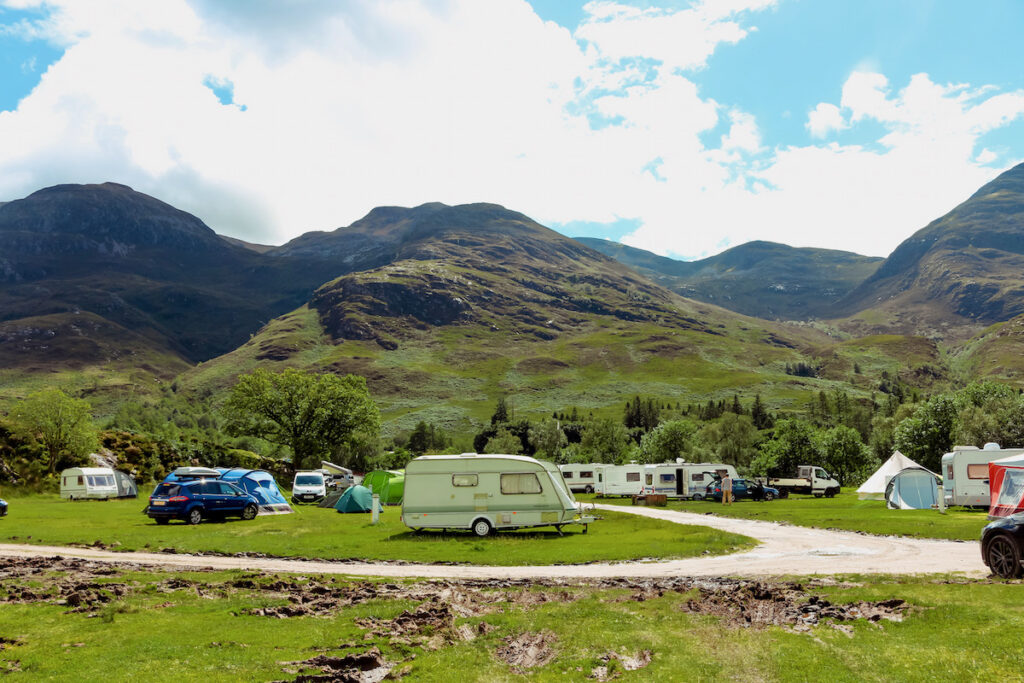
(388, 484)
(356, 499)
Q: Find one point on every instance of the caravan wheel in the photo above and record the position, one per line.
(482, 527)
(698, 496)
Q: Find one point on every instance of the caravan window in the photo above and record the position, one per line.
(650, 479)
(81, 480)
(668, 478)
(100, 480)
(632, 476)
(977, 471)
(525, 482)
(465, 479)
(568, 475)
(949, 471)
(697, 476)
(586, 475)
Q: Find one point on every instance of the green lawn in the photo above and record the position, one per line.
(186, 626)
(844, 511)
(323, 533)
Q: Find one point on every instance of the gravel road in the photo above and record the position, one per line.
(783, 549)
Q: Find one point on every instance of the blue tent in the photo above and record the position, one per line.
(356, 499)
(259, 483)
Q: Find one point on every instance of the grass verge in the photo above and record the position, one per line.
(323, 533)
(162, 625)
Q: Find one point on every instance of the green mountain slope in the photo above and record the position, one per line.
(959, 274)
(480, 302)
(762, 279)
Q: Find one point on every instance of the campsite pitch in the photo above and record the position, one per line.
(843, 512)
(66, 618)
(323, 533)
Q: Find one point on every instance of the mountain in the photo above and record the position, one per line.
(761, 279)
(957, 275)
(468, 303)
(99, 262)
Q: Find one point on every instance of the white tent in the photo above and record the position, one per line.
(874, 487)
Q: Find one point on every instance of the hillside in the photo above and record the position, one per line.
(761, 279)
(478, 301)
(954, 277)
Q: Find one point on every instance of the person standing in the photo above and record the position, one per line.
(727, 489)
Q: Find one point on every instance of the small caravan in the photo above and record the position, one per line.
(82, 483)
(965, 473)
(336, 476)
(485, 493)
(581, 478)
(621, 480)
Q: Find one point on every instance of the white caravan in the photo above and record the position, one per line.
(485, 493)
(81, 483)
(581, 478)
(676, 480)
(965, 473)
(621, 480)
(688, 479)
(337, 476)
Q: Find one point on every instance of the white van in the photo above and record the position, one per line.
(81, 483)
(309, 487)
(965, 473)
(485, 493)
(580, 478)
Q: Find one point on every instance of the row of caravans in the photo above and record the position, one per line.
(675, 480)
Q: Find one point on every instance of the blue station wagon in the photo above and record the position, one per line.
(195, 500)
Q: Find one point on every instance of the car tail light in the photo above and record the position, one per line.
(177, 499)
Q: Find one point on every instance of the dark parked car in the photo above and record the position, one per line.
(741, 488)
(1002, 546)
(3, 507)
(198, 499)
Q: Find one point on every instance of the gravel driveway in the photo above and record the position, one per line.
(783, 549)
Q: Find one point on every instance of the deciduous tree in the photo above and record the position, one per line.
(61, 424)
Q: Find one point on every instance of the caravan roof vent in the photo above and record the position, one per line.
(991, 446)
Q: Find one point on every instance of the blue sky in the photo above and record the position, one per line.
(679, 127)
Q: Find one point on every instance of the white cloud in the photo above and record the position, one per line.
(824, 119)
(372, 102)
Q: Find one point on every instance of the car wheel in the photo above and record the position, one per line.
(249, 512)
(1004, 557)
(195, 516)
(768, 495)
(162, 520)
(482, 527)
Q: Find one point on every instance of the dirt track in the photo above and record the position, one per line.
(783, 549)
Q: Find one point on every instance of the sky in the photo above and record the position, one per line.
(680, 127)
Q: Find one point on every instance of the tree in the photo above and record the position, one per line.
(731, 438)
(313, 415)
(845, 456)
(425, 438)
(500, 415)
(505, 442)
(760, 416)
(928, 433)
(61, 424)
(605, 441)
(548, 439)
(791, 445)
(667, 441)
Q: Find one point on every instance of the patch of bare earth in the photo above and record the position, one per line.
(613, 664)
(527, 650)
(357, 667)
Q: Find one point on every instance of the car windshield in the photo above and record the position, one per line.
(309, 480)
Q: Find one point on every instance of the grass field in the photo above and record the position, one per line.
(844, 511)
(323, 533)
(158, 626)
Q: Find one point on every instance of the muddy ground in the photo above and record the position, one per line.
(445, 612)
